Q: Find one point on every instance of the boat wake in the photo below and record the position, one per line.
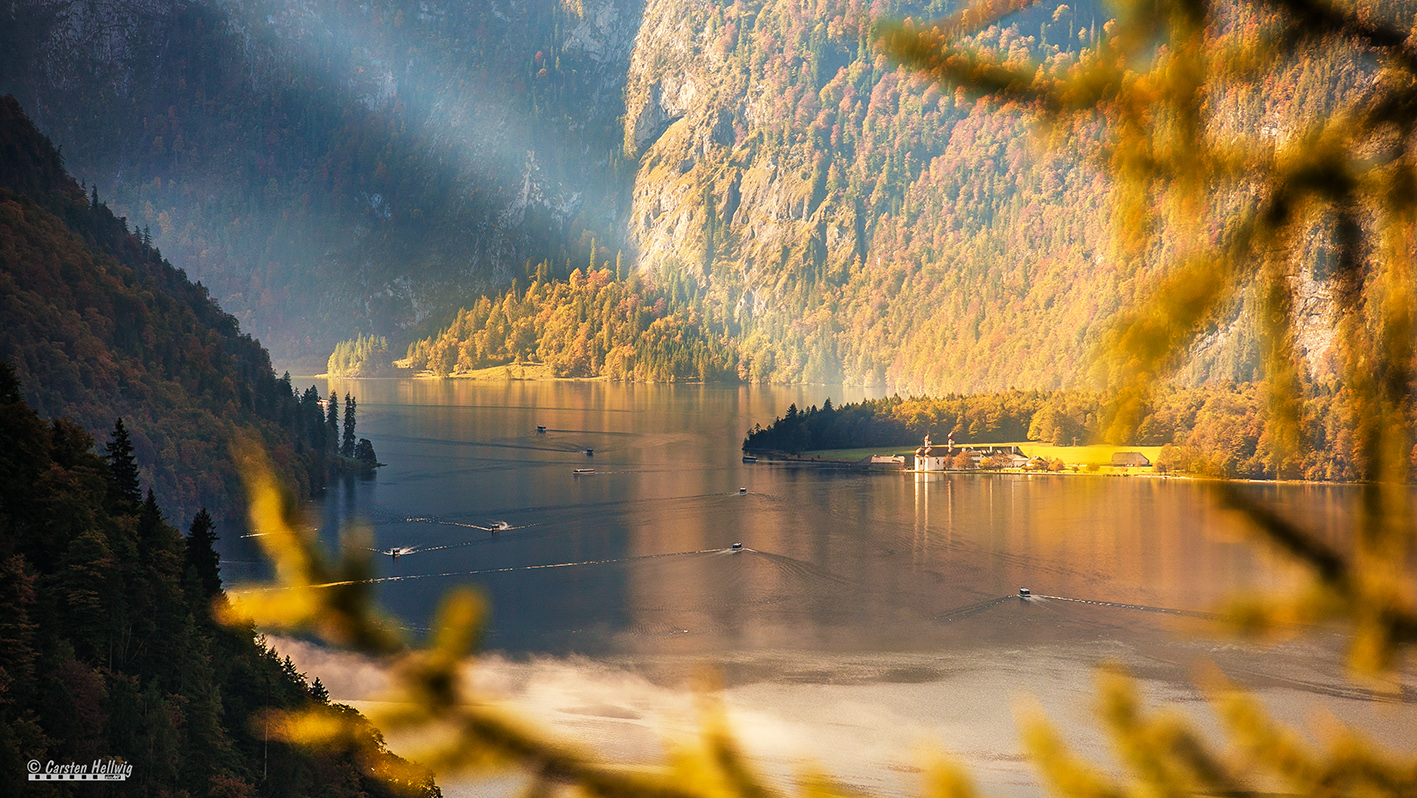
(513, 568)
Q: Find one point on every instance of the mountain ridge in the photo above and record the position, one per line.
(98, 325)
(836, 216)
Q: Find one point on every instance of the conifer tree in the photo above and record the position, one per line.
(201, 553)
(9, 384)
(149, 518)
(347, 444)
(332, 417)
(364, 452)
(312, 419)
(123, 470)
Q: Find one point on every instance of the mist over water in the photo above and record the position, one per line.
(865, 613)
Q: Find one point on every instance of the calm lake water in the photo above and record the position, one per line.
(862, 606)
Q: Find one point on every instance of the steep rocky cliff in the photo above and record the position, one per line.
(329, 169)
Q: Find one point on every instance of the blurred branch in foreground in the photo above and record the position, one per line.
(1224, 213)
(462, 731)
(1227, 211)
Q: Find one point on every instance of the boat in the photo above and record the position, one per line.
(736, 547)
(541, 428)
(742, 491)
(1024, 592)
(589, 452)
(498, 526)
(580, 472)
(748, 458)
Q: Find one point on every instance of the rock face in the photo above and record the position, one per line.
(332, 169)
(846, 220)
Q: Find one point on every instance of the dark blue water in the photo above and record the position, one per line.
(864, 613)
(637, 556)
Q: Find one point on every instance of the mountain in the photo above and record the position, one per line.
(326, 168)
(99, 326)
(109, 650)
(335, 170)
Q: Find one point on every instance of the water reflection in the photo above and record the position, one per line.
(862, 607)
(635, 558)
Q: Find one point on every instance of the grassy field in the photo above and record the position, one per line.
(1072, 455)
(1084, 455)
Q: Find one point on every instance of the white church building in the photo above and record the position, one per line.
(930, 457)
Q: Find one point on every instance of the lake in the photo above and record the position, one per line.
(864, 613)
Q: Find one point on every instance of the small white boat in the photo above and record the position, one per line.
(581, 472)
(498, 526)
(736, 547)
(541, 428)
(747, 458)
(1024, 592)
(742, 491)
(589, 452)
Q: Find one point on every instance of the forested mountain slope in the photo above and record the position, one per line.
(109, 649)
(830, 215)
(98, 326)
(851, 220)
(331, 167)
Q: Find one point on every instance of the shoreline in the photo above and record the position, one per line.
(539, 372)
(857, 465)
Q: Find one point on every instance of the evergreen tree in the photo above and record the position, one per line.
(9, 384)
(201, 554)
(347, 445)
(312, 419)
(123, 470)
(332, 419)
(364, 452)
(149, 521)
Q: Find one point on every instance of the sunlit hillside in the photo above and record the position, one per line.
(330, 171)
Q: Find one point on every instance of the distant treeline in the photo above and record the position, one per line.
(1215, 430)
(108, 643)
(983, 418)
(361, 356)
(316, 427)
(589, 325)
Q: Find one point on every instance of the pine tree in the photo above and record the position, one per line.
(201, 553)
(347, 444)
(332, 417)
(364, 452)
(9, 384)
(312, 419)
(149, 521)
(124, 492)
